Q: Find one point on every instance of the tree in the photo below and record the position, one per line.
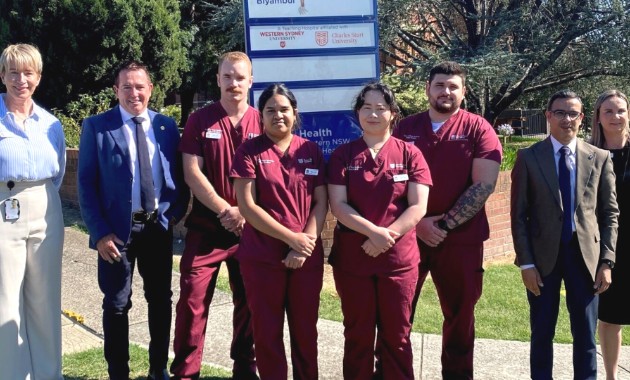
(83, 41)
(511, 48)
(210, 25)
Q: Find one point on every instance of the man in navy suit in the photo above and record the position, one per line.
(131, 193)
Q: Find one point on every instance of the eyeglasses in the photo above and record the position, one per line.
(561, 115)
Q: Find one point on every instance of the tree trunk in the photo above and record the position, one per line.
(187, 96)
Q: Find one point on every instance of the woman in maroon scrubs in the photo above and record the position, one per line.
(378, 187)
(281, 193)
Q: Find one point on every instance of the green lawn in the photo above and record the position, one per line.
(91, 365)
(502, 312)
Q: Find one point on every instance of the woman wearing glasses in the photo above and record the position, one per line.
(32, 165)
(378, 188)
(610, 131)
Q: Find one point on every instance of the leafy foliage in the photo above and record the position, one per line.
(174, 111)
(213, 27)
(511, 48)
(411, 98)
(75, 111)
(510, 149)
(83, 41)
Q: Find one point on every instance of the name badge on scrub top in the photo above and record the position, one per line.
(401, 177)
(214, 134)
(11, 209)
(310, 171)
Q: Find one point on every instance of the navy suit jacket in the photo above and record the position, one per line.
(105, 179)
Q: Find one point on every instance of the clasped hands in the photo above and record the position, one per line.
(232, 220)
(302, 246)
(379, 241)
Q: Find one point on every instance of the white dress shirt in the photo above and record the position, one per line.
(129, 128)
(557, 145)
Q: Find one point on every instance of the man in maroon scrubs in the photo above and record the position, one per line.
(464, 154)
(208, 144)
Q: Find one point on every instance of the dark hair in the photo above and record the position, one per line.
(563, 94)
(279, 89)
(131, 65)
(388, 94)
(448, 68)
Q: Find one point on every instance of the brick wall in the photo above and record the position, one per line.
(68, 190)
(498, 248)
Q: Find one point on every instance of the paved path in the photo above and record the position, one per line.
(80, 294)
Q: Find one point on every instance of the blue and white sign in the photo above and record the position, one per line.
(309, 8)
(324, 51)
(293, 37)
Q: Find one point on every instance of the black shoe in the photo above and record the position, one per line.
(159, 375)
(244, 375)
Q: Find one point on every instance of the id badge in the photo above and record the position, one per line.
(401, 177)
(11, 209)
(213, 134)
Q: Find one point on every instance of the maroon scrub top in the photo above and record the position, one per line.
(285, 184)
(450, 153)
(209, 134)
(377, 189)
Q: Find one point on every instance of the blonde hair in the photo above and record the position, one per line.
(21, 56)
(597, 134)
(235, 56)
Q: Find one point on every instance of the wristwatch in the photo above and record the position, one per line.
(443, 226)
(608, 262)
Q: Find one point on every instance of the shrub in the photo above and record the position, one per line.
(174, 111)
(74, 113)
(510, 148)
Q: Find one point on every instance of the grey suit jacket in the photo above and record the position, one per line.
(536, 206)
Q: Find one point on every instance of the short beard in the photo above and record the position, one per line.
(444, 109)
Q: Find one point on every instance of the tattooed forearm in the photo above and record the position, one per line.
(469, 204)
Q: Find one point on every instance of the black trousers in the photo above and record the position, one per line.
(151, 247)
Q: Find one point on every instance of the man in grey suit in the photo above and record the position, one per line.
(564, 227)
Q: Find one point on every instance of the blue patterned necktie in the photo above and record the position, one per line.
(564, 180)
(147, 192)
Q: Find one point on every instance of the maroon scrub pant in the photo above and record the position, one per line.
(272, 290)
(457, 272)
(377, 302)
(199, 268)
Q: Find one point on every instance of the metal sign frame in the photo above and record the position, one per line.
(325, 52)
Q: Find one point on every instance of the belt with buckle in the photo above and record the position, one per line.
(143, 217)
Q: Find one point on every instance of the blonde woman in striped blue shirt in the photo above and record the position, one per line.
(32, 165)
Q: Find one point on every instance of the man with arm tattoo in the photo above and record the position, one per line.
(464, 154)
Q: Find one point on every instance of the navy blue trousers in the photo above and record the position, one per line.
(152, 248)
(582, 306)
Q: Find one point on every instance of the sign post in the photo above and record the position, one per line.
(324, 51)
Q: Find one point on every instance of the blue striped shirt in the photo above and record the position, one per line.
(34, 151)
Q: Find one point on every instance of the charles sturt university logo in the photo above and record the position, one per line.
(321, 38)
